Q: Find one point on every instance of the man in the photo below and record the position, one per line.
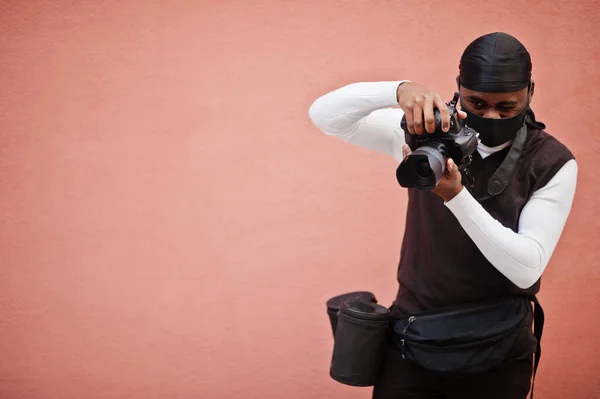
(486, 230)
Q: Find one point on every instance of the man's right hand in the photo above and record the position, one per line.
(418, 103)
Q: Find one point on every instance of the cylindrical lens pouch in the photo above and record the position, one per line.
(360, 342)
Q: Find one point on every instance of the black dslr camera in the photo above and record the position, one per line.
(426, 164)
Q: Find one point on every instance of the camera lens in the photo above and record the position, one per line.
(424, 167)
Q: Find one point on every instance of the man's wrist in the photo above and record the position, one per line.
(454, 193)
(399, 90)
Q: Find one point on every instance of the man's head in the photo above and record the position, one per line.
(495, 86)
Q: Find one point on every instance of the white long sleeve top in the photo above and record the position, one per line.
(366, 114)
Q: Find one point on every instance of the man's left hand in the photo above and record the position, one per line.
(451, 182)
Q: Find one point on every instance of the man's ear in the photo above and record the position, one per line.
(458, 82)
(531, 90)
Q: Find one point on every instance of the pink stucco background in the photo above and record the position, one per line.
(171, 224)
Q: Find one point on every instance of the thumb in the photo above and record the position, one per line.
(452, 169)
(461, 114)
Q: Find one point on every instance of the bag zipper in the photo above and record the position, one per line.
(465, 345)
(410, 320)
(461, 309)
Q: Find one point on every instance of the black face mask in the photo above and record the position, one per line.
(495, 132)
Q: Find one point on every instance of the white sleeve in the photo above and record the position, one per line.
(521, 256)
(360, 113)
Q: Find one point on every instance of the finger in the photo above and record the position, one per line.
(418, 118)
(462, 114)
(444, 114)
(410, 125)
(428, 115)
(405, 150)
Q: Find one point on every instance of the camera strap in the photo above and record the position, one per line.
(501, 177)
(499, 180)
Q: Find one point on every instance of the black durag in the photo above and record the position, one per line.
(497, 63)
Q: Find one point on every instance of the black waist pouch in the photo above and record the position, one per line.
(465, 339)
(360, 337)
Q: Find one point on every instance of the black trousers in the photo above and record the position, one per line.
(401, 379)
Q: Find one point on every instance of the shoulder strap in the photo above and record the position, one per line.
(538, 327)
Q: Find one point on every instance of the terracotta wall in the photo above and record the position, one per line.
(171, 223)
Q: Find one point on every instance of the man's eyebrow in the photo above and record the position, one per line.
(476, 99)
(508, 103)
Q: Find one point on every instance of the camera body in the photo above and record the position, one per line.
(424, 167)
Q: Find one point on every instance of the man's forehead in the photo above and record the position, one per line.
(515, 96)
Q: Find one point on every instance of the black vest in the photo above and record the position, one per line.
(439, 264)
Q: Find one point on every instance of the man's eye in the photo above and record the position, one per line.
(478, 104)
